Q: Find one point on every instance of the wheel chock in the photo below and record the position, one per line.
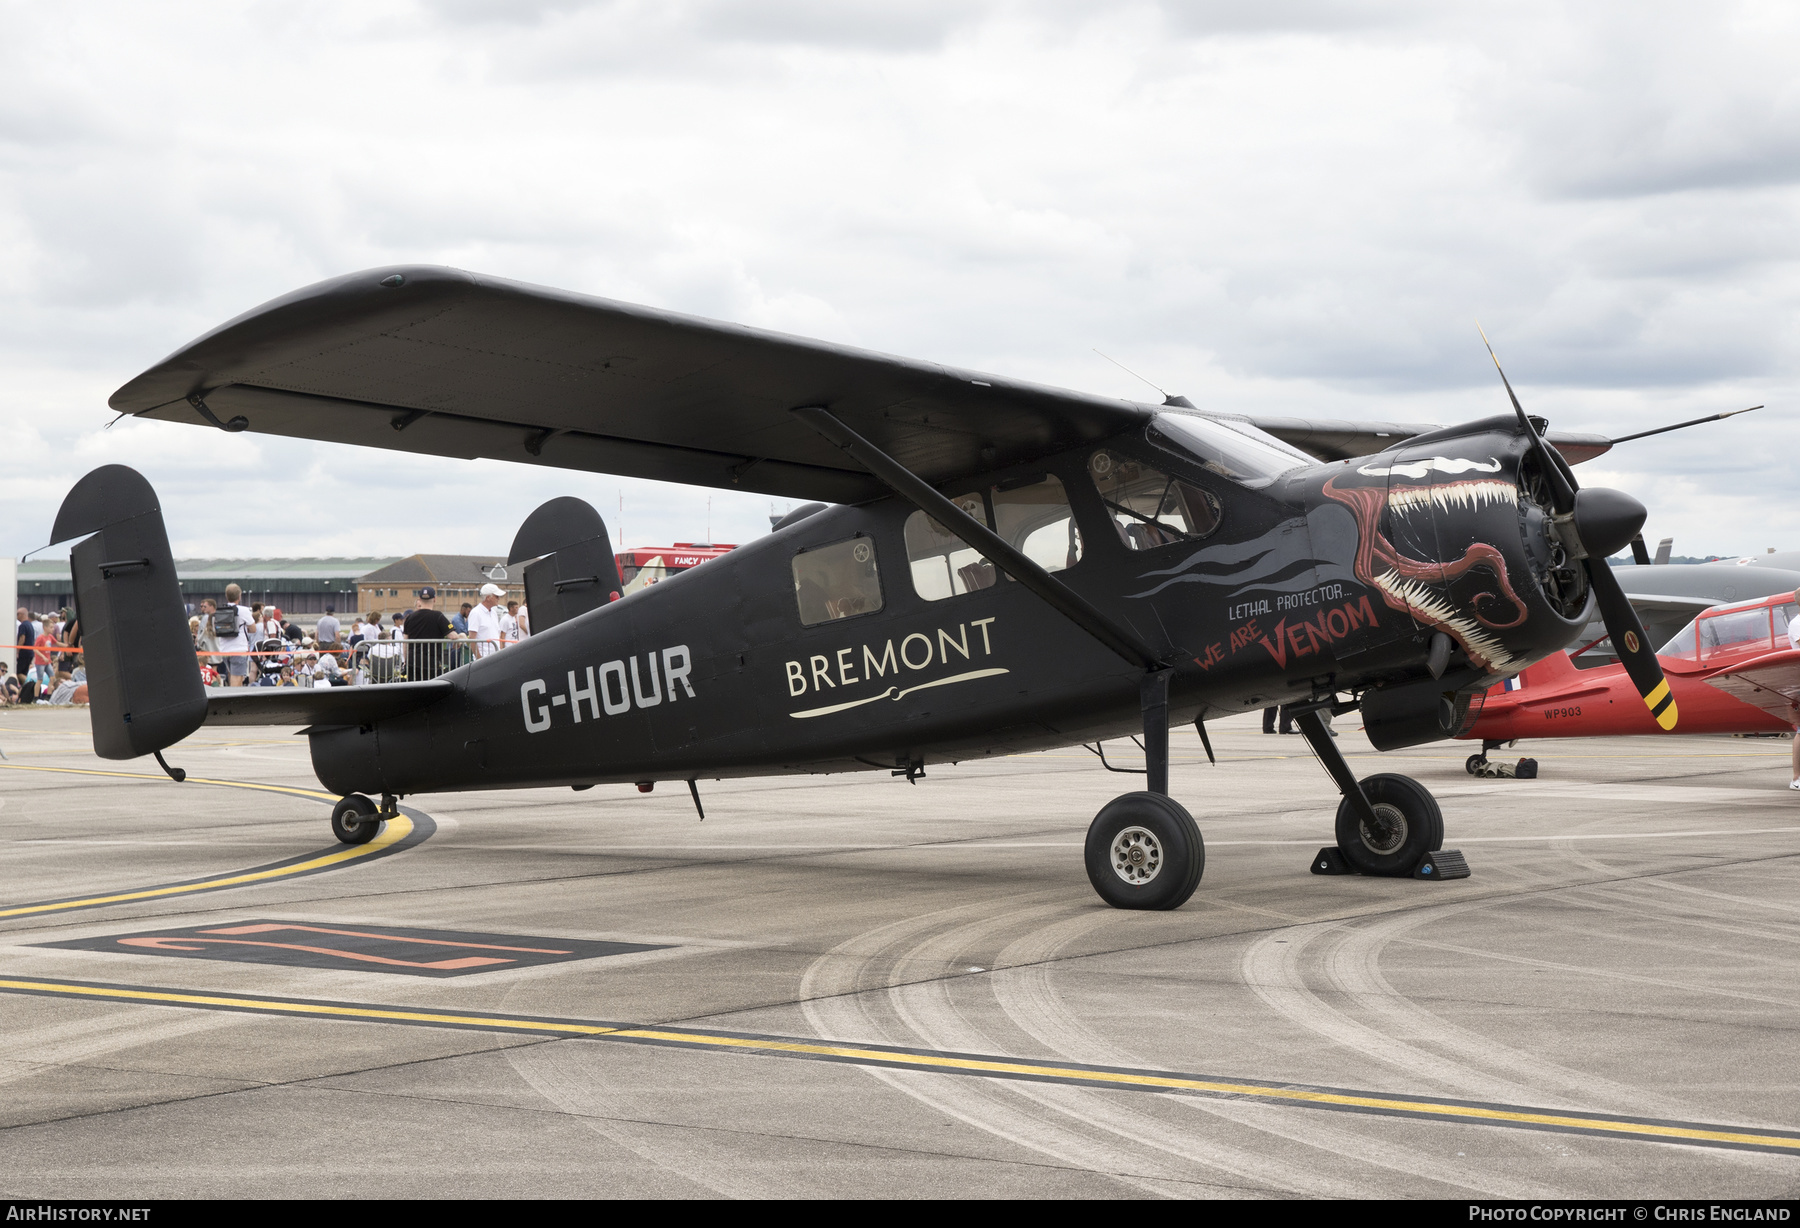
(1525, 769)
(1330, 860)
(1441, 863)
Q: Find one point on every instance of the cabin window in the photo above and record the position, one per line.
(1148, 507)
(944, 565)
(1737, 631)
(839, 580)
(1032, 515)
(1785, 632)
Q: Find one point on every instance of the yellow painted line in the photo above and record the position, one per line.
(324, 1009)
(192, 780)
(392, 832)
(1384, 1104)
(1477, 1114)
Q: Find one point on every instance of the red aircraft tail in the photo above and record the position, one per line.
(1554, 670)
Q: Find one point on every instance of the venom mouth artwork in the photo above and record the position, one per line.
(1420, 587)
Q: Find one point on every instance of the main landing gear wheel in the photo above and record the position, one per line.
(1408, 825)
(355, 820)
(1144, 851)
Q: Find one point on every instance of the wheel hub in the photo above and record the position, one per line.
(1387, 833)
(1137, 855)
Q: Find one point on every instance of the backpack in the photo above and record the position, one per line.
(225, 622)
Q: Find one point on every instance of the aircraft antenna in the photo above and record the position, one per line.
(1127, 370)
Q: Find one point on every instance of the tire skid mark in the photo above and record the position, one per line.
(580, 1085)
(1354, 966)
(1022, 987)
(835, 999)
(1059, 1026)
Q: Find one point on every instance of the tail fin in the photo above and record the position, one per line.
(579, 573)
(144, 690)
(1551, 671)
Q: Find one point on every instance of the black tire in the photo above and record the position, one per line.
(355, 819)
(1158, 847)
(1474, 763)
(1414, 826)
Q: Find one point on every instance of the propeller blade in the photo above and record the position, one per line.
(1628, 639)
(1556, 470)
(1604, 520)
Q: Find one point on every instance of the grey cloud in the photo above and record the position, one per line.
(1299, 208)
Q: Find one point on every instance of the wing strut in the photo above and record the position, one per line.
(1057, 595)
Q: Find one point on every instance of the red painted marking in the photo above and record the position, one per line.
(174, 944)
(271, 928)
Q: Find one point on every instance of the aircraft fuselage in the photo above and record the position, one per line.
(1332, 577)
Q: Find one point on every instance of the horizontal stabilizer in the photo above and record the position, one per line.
(337, 705)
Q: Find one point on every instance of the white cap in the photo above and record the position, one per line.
(492, 590)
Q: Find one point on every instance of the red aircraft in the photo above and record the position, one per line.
(1732, 670)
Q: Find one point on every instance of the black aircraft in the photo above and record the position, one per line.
(993, 566)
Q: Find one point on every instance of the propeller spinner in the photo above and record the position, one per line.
(1594, 524)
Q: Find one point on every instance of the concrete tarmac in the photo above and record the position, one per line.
(1627, 951)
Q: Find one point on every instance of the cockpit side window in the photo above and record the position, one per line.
(838, 580)
(1147, 506)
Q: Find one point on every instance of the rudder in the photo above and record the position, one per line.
(577, 572)
(144, 689)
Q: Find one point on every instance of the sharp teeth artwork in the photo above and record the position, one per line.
(1406, 582)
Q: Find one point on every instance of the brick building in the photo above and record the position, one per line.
(457, 578)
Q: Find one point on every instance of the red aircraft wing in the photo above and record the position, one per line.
(1770, 682)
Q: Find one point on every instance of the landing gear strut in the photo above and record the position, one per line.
(1387, 825)
(1144, 849)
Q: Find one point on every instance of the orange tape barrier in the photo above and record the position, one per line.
(61, 648)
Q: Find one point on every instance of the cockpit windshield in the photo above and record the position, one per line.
(1735, 630)
(1235, 450)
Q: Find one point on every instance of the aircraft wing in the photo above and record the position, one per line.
(1770, 682)
(1669, 603)
(449, 363)
(338, 705)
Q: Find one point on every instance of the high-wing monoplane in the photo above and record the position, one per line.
(990, 567)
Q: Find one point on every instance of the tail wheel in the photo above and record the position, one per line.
(1144, 851)
(355, 820)
(1474, 763)
(1408, 824)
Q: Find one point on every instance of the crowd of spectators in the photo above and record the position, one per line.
(415, 646)
(258, 645)
(46, 666)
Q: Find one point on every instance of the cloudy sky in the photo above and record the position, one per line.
(1293, 206)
